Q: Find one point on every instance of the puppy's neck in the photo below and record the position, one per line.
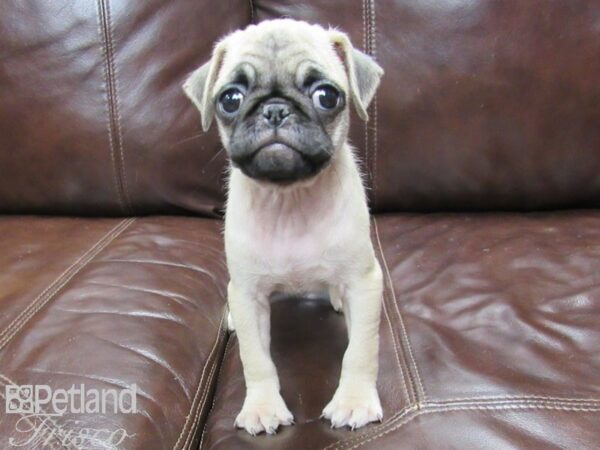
(301, 203)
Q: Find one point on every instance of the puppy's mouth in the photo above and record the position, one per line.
(279, 162)
(276, 148)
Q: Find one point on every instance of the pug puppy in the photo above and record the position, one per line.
(297, 218)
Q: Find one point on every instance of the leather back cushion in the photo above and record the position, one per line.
(485, 104)
(92, 116)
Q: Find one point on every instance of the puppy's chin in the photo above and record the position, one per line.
(280, 164)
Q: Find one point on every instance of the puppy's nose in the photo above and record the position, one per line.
(275, 113)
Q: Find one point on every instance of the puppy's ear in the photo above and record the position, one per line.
(199, 85)
(362, 71)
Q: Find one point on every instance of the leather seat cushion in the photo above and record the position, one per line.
(108, 303)
(489, 339)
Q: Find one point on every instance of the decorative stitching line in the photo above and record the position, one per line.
(204, 398)
(512, 407)
(364, 19)
(520, 398)
(371, 5)
(48, 294)
(406, 340)
(374, 102)
(415, 379)
(216, 387)
(387, 318)
(430, 408)
(108, 116)
(251, 11)
(466, 403)
(369, 19)
(410, 398)
(411, 395)
(197, 393)
(115, 81)
(411, 406)
(113, 113)
(366, 124)
(541, 405)
(511, 402)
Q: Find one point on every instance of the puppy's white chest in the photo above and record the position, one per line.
(298, 240)
(292, 250)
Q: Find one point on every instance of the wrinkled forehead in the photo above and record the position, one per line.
(279, 56)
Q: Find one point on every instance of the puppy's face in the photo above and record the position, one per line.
(278, 109)
(280, 91)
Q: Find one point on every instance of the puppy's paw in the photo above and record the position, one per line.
(337, 305)
(263, 413)
(335, 297)
(353, 406)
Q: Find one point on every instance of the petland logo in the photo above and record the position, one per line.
(40, 411)
(42, 399)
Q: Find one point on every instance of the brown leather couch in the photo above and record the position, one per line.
(483, 162)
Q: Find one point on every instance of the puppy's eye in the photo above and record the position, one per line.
(231, 100)
(326, 97)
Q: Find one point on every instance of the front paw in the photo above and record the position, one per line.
(263, 412)
(353, 405)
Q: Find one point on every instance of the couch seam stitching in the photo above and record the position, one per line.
(108, 117)
(115, 134)
(55, 286)
(366, 125)
(517, 406)
(512, 402)
(411, 395)
(375, 110)
(396, 351)
(406, 339)
(421, 412)
(203, 400)
(115, 74)
(212, 406)
(251, 11)
(518, 397)
(433, 407)
(409, 400)
(198, 388)
(404, 335)
(364, 24)
(205, 392)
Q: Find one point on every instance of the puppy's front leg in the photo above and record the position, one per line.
(356, 402)
(263, 408)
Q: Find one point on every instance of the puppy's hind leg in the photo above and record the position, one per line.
(263, 408)
(356, 402)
